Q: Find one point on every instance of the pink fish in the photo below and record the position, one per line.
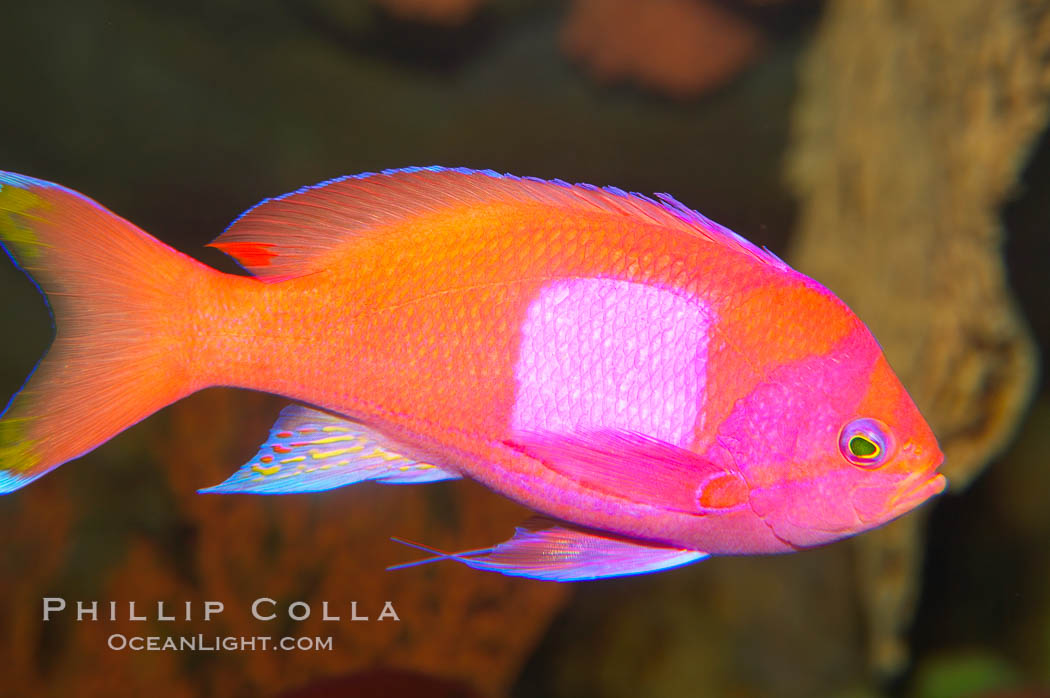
(657, 387)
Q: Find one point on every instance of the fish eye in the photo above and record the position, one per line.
(865, 442)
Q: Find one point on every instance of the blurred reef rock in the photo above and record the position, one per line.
(914, 120)
(681, 48)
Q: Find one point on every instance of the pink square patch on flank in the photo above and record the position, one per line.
(610, 354)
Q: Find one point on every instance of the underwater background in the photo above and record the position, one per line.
(895, 150)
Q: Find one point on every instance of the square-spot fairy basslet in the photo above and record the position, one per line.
(657, 387)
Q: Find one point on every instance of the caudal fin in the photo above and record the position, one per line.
(119, 304)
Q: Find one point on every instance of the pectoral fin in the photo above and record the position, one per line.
(311, 451)
(546, 549)
(638, 467)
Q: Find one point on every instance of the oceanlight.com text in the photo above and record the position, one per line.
(215, 643)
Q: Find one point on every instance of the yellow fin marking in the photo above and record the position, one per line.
(330, 429)
(385, 455)
(16, 203)
(17, 450)
(297, 459)
(266, 471)
(317, 455)
(332, 439)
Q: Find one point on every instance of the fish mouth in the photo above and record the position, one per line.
(908, 499)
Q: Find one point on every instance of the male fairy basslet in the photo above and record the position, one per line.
(656, 387)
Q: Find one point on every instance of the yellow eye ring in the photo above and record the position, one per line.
(864, 448)
(866, 443)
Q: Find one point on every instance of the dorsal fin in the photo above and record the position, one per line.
(290, 235)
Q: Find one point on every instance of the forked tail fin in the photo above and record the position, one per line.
(121, 303)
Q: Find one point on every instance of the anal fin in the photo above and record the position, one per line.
(552, 550)
(312, 451)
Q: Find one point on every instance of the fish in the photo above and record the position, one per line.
(656, 388)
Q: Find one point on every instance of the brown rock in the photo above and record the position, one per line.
(679, 47)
